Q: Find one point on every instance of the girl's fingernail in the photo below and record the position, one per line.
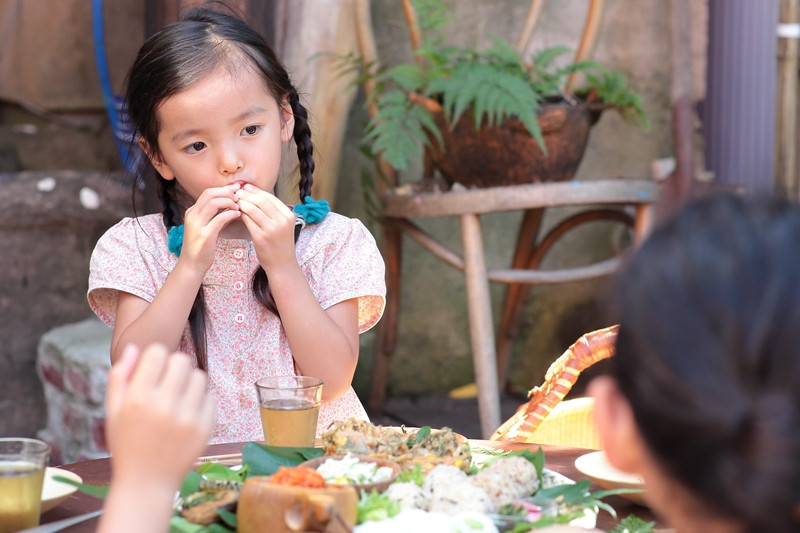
(249, 187)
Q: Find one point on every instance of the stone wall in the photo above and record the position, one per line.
(49, 224)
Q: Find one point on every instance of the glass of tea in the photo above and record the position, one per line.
(289, 407)
(22, 467)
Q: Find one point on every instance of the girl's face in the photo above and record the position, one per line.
(225, 129)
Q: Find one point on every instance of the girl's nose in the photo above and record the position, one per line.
(230, 162)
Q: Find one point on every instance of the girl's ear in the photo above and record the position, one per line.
(161, 167)
(287, 120)
(616, 426)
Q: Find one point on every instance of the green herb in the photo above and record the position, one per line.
(412, 475)
(419, 436)
(98, 491)
(376, 506)
(264, 460)
(633, 524)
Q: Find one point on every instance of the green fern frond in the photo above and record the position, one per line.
(398, 130)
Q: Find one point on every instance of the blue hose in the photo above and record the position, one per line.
(129, 151)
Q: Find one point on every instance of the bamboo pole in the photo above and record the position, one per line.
(531, 20)
(588, 38)
(786, 120)
(679, 185)
(414, 32)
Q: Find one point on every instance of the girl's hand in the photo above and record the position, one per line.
(214, 209)
(271, 225)
(159, 417)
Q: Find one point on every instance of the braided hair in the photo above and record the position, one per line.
(707, 356)
(173, 60)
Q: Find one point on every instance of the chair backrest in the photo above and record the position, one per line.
(559, 379)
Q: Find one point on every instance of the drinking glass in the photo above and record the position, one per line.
(22, 466)
(289, 407)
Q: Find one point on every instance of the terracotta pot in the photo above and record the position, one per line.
(508, 154)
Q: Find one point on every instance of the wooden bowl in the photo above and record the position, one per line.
(367, 487)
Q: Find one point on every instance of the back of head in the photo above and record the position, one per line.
(707, 355)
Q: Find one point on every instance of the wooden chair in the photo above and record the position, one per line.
(545, 418)
(600, 199)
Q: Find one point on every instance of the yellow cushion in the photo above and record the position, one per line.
(570, 423)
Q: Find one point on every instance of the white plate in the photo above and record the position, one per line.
(54, 492)
(596, 467)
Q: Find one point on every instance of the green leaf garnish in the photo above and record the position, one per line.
(264, 460)
(633, 524)
(376, 506)
(98, 491)
(423, 432)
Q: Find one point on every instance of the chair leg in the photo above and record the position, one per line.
(387, 327)
(481, 326)
(515, 293)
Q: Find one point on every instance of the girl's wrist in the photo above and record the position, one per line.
(188, 272)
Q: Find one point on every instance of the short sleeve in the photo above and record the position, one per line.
(128, 257)
(342, 261)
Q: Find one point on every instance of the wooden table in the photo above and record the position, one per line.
(98, 472)
(599, 200)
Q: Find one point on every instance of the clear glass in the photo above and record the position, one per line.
(289, 408)
(22, 467)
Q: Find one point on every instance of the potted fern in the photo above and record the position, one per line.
(486, 117)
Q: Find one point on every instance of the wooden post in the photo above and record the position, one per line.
(481, 324)
(786, 119)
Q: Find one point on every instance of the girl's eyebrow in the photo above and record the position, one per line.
(241, 116)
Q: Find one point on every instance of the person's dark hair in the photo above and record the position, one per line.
(176, 58)
(708, 355)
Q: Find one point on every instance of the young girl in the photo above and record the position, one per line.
(703, 399)
(227, 272)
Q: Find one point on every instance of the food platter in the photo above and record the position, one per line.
(55, 492)
(443, 479)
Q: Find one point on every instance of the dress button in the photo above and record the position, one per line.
(238, 253)
(238, 286)
(239, 318)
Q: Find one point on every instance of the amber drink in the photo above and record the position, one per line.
(289, 407)
(22, 467)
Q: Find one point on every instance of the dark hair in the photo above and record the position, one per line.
(176, 58)
(708, 355)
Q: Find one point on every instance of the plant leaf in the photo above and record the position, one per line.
(264, 460)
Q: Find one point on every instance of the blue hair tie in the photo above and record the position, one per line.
(175, 242)
(312, 211)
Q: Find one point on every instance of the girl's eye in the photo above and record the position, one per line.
(252, 130)
(195, 147)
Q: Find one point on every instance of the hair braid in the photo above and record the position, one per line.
(305, 149)
(171, 215)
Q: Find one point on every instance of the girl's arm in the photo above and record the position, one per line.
(324, 343)
(140, 323)
(164, 319)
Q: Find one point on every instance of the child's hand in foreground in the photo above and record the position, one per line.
(159, 417)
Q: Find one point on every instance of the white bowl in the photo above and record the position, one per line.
(54, 492)
(596, 467)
